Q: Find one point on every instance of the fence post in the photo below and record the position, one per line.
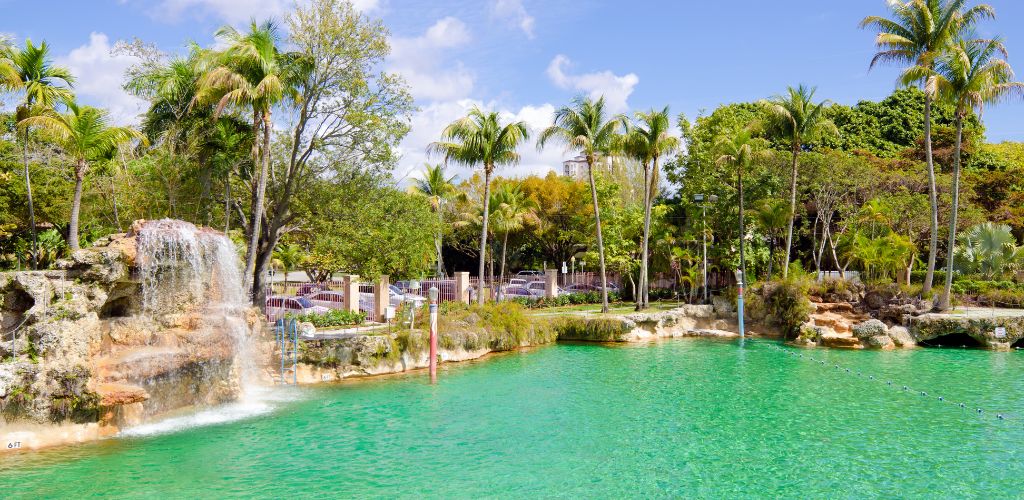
(350, 286)
(551, 283)
(381, 298)
(462, 287)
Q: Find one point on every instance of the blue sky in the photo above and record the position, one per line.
(526, 57)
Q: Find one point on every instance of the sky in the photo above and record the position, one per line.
(528, 57)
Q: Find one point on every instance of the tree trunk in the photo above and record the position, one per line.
(483, 233)
(31, 209)
(504, 246)
(792, 211)
(227, 203)
(600, 240)
(743, 255)
(257, 214)
(76, 205)
(438, 243)
(641, 303)
(933, 196)
(945, 300)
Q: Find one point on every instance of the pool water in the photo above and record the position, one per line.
(695, 418)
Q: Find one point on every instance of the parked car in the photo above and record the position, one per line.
(538, 288)
(582, 288)
(515, 282)
(530, 272)
(334, 299)
(396, 297)
(309, 288)
(516, 292)
(278, 306)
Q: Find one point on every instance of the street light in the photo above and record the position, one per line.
(432, 293)
(699, 198)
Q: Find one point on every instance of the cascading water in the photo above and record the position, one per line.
(182, 267)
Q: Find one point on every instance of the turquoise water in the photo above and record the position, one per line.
(691, 418)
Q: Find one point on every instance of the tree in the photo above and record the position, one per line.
(916, 36)
(84, 134)
(512, 210)
(288, 257)
(772, 216)
(250, 72)
(970, 75)
(647, 141)
(738, 150)
(31, 71)
(988, 249)
(795, 119)
(480, 138)
(438, 189)
(584, 127)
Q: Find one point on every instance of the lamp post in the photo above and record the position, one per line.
(433, 333)
(699, 198)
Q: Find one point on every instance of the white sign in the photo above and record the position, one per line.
(389, 313)
(565, 270)
(1000, 332)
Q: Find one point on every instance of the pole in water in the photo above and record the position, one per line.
(433, 334)
(739, 299)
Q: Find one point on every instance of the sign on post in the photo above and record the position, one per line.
(1000, 332)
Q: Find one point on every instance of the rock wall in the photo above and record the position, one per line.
(79, 361)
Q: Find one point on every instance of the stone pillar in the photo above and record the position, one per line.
(350, 287)
(462, 287)
(381, 298)
(551, 283)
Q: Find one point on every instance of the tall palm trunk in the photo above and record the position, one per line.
(437, 241)
(257, 212)
(944, 301)
(31, 209)
(792, 211)
(504, 247)
(743, 232)
(483, 232)
(933, 196)
(641, 299)
(600, 240)
(76, 205)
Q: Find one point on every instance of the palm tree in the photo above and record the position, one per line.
(480, 138)
(30, 70)
(647, 141)
(288, 257)
(772, 216)
(973, 73)
(228, 142)
(84, 134)
(989, 249)
(438, 188)
(737, 150)
(584, 127)
(251, 72)
(797, 120)
(916, 35)
(512, 210)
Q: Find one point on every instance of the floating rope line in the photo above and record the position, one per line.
(889, 383)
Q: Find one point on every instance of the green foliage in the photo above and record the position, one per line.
(783, 303)
(988, 249)
(566, 299)
(332, 318)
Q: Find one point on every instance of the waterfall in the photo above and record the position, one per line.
(184, 268)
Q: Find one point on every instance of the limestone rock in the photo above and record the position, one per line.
(120, 394)
(307, 329)
(881, 342)
(870, 328)
(901, 336)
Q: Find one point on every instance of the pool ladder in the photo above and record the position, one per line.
(286, 332)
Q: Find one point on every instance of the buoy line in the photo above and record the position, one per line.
(889, 383)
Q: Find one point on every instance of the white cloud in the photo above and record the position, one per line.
(615, 89)
(431, 120)
(420, 60)
(512, 11)
(237, 11)
(99, 75)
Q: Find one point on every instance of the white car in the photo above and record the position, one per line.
(396, 297)
(334, 299)
(538, 288)
(278, 307)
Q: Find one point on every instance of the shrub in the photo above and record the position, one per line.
(785, 304)
(334, 317)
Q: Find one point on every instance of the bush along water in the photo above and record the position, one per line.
(784, 304)
(568, 299)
